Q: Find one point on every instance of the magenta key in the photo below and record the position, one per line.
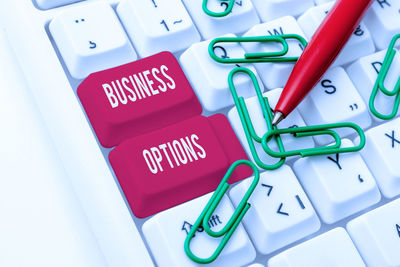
(175, 164)
(137, 98)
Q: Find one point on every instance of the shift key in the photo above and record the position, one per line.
(175, 164)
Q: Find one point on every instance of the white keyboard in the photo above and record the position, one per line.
(339, 210)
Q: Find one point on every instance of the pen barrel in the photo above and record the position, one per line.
(321, 51)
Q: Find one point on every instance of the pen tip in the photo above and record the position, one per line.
(278, 116)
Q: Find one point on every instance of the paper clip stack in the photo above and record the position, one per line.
(380, 84)
(252, 137)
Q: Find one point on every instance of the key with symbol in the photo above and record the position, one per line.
(280, 211)
(205, 74)
(360, 43)
(166, 232)
(275, 75)
(338, 185)
(90, 38)
(242, 17)
(383, 143)
(334, 99)
(376, 234)
(364, 72)
(382, 20)
(167, 28)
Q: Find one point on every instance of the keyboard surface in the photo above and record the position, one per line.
(163, 129)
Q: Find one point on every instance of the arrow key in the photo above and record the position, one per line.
(280, 211)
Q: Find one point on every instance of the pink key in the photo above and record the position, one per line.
(137, 98)
(175, 164)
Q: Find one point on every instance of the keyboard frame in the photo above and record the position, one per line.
(92, 179)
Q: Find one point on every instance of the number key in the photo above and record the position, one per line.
(157, 25)
(242, 17)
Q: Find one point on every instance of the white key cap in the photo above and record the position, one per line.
(377, 235)
(331, 249)
(242, 17)
(280, 211)
(272, 9)
(360, 43)
(209, 78)
(320, 2)
(90, 38)
(382, 20)
(363, 74)
(275, 75)
(157, 25)
(294, 119)
(256, 265)
(166, 233)
(383, 143)
(334, 99)
(47, 4)
(338, 185)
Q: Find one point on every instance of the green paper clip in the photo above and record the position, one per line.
(277, 56)
(245, 119)
(212, 204)
(379, 84)
(228, 8)
(312, 131)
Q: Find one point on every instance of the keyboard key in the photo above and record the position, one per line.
(294, 119)
(275, 75)
(382, 153)
(47, 4)
(364, 72)
(90, 38)
(338, 185)
(157, 25)
(272, 9)
(382, 21)
(209, 78)
(333, 249)
(376, 235)
(360, 43)
(242, 17)
(334, 99)
(137, 98)
(166, 233)
(280, 211)
(319, 2)
(175, 164)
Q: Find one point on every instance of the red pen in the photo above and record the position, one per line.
(319, 54)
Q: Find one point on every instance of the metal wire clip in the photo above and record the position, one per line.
(276, 56)
(212, 204)
(228, 8)
(379, 84)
